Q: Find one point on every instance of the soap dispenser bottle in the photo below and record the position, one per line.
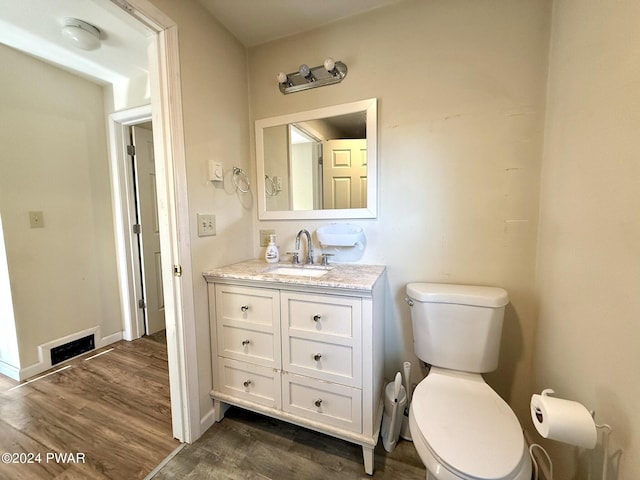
(272, 255)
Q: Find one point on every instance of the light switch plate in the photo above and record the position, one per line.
(36, 220)
(216, 173)
(206, 225)
(264, 236)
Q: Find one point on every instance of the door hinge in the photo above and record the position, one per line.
(131, 150)
(177, 270)
(137, 229)
(142, 303)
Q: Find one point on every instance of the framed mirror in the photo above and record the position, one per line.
(318, 164)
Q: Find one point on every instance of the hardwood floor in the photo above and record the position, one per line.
(109, 414)
(246, 446)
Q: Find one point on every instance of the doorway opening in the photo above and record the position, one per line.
(168, 136)
(146, 229)
(137, 219)
(165, 96)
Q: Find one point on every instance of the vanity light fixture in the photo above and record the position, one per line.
(311, 77)
(81, 34)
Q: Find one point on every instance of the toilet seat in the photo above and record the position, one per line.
(467, 427)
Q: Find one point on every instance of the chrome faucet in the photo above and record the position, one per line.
(309, 258)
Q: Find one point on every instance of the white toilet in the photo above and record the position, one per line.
(461, 428)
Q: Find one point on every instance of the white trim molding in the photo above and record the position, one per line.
(44, 350)
(124, 216)
(10, 371)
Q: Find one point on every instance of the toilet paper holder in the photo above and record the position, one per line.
(549, 415)
(585, 435)
(546, 392)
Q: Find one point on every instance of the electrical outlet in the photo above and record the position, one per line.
(264, 236)
(206, 225)
(36, 219)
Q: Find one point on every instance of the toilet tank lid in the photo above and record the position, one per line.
(477, 296)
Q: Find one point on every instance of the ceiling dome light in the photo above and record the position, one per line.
(81, 34)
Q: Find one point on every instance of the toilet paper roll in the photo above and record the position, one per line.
(563, 420)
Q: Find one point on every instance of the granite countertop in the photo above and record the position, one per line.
(340, 275)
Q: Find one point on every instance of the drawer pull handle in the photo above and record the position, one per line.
(317, 357)
(247, 383)
(244, 308)
(317, 317)
(246, 342)
(318, 403)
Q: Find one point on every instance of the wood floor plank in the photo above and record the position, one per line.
(119, 390)
(113, 408)
(246, 445)
(14, 441)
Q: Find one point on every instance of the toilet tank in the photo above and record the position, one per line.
(457, 326)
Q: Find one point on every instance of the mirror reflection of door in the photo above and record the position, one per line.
(345, 173)
(295, 172)
(305, 169)
(149, 239)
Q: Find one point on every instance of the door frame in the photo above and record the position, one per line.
(168, 138)
(146, 233)
(125, 206)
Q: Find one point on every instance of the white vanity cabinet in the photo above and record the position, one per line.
(247, 343)
(303, 350)
(322, 358)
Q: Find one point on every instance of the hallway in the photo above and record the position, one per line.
(106, 414)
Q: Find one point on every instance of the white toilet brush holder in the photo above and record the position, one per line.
(395, 400)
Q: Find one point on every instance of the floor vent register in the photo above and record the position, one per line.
(72, 349)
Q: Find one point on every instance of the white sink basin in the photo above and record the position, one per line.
(301, 271)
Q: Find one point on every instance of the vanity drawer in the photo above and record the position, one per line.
(318, 359)
(321, 314)
(249, 345)
(253, 383)
(322, 402)
(255, 306)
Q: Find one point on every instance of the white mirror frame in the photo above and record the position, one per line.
(370, 106)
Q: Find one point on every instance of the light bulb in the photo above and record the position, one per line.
(304, 70)
(282, 77)
(329, 64)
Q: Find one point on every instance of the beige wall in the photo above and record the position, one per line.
(54, 159)
(588, 274)
(216, 125)
(460, 87)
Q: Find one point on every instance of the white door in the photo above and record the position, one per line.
(345, 174)
(150, 232)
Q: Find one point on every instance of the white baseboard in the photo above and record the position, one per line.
(109, 339)
(10, 371)
(44, 350)
(206, 421)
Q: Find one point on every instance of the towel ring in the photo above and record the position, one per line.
(270, 186)
(240, 179)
